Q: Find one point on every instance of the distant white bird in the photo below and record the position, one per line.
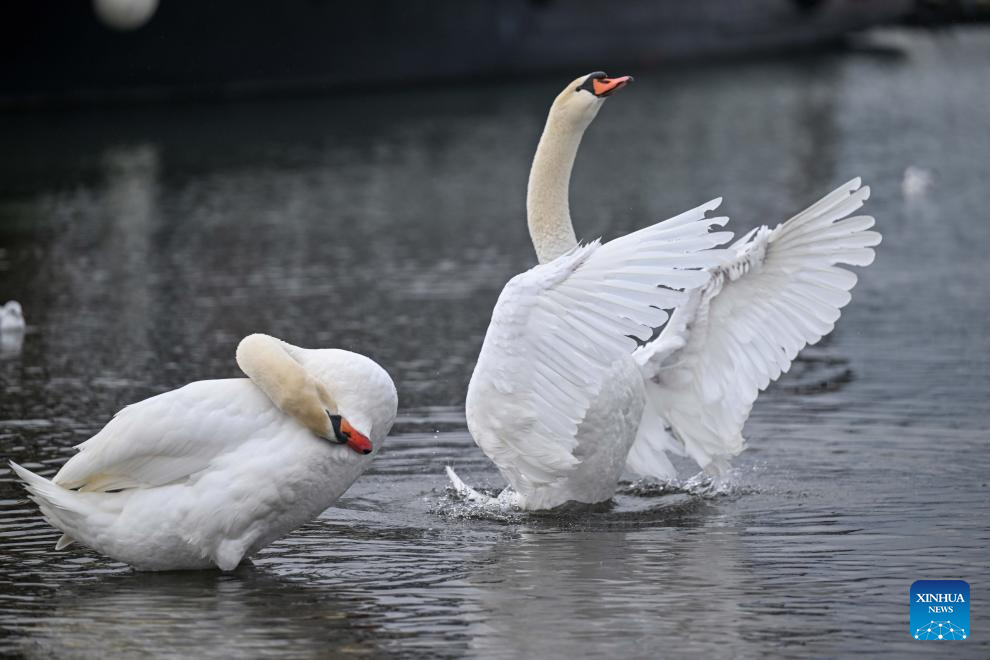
(916, 182)
(210, 473)
(564, 397)
(11, 317)
(125, 15)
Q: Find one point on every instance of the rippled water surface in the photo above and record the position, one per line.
(144, 242)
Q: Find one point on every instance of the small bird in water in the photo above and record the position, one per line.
(210, 473)
(916, 182)
(11, 328)
(571, 388)
(11, 317)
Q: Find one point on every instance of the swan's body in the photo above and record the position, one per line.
(11, 328)
(563, 399)
(209, 473)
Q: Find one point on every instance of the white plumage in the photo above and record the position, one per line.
(209, 473)
(565, 395)
(780, 291)
(11, 317)
(558, 332)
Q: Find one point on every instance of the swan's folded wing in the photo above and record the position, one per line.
(782, 291)
(559, 328)
(169, 437)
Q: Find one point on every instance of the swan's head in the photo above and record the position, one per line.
(583, 97)
(317, 409)
(362, 392)
(340, 396)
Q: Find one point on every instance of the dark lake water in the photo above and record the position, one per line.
(144, 242)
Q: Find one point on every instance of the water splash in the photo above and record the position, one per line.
(702, 485)
(461, 502)
(458, 503)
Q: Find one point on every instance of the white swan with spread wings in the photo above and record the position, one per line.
(566, 394)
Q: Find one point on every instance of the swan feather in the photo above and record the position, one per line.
(566, 323)
(781, 291)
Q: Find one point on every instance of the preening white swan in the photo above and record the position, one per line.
(212, 472)
(563, 398)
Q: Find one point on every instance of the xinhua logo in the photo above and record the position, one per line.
(940, 609)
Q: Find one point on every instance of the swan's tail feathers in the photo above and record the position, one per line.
(466, 492)
(648, 456)
(59, 506)
(671, 423)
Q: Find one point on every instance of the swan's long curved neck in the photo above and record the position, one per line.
(270, 364)
(547, 206)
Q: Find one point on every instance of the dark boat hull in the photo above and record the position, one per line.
(57, 50)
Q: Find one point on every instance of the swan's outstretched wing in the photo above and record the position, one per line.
(558, 328)
(170, 436)
(781, 292)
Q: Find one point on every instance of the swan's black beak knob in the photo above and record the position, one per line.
(345, 434)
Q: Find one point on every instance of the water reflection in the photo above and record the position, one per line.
(624, 587)
(11, 342)
(254, 612)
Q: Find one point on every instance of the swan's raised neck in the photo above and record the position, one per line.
(271, 364)
(548, 211)
(547, 205)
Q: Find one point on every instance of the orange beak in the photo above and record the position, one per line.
(356, 441)
(608, 86)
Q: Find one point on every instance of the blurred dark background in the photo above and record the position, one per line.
(70, 51)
